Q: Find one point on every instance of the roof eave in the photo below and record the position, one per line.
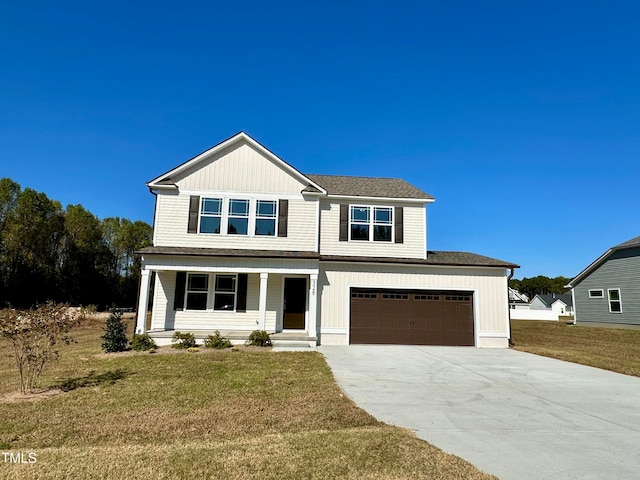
(383, 199)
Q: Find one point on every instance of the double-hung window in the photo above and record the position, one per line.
(360, 221)
(197, 288)
(238, 220)
(224, 297)
(382, 219)
(210, 215)
(371, 223)
(615, 300)
(266, 217)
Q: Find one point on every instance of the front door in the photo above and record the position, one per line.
(294, 303)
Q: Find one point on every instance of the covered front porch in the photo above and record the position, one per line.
(234, 295)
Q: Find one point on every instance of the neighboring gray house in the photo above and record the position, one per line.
(608, 290)
(560, 303)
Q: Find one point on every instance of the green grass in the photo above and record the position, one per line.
(612, 349)
(210, 414)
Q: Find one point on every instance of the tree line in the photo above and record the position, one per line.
(65, 255)
(540, 285)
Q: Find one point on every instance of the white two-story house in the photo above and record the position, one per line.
(244, 241)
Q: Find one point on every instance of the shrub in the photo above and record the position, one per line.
(115, 336)
(193, 349)
(183, 340)
(259, 338)
(217, 341)
(143, 342)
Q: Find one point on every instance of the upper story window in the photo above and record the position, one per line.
(371, 223)
(238, 216)
(238, 220)
(266, 217)
(210, 215)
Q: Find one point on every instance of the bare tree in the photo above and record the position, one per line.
(34, 335)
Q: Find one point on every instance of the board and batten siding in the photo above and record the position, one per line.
(621, 270)
(164, 317)
(414, 233)
(239, 168)
(488, 284)
(172, 216)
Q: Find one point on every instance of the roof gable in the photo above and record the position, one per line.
(550, 299)
(633, 243)
(237, 142)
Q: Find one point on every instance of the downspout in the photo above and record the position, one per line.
(511, 344)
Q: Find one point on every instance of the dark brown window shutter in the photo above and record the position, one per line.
(399, 222)
(241, 300)
(194, 205)
(344, 223)
(181, 283)
(283, 217)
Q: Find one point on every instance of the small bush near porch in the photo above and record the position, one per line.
(218, 414)
(612, 349)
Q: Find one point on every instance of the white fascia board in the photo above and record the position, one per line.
(358, 198)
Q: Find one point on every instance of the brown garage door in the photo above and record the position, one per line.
(411, 317)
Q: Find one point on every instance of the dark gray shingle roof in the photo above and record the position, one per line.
(549, 299)
(368, 186)
(634, 242)
(465, 259)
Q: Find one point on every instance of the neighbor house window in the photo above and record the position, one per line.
(266, 217)
(238, 222)
(225, 292)
(596, 293)
(615, 301)
(210, 215)
(197, 288)
(371, 223)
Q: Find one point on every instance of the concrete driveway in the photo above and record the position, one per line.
(512, 414)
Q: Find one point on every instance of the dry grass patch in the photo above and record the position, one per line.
(612, 349)
(247, 414)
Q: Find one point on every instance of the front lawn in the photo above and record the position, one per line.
(210, 414)
(612, 349)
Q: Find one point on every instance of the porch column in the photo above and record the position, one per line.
(262, 305)
(313, 305)
(141, 321)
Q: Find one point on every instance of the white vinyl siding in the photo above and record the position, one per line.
(239, 168)
(488, 284)
(414, 242)
(173, 214)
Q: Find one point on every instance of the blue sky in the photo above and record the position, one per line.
(521, 118)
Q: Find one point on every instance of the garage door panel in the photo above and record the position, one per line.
(411, 317)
